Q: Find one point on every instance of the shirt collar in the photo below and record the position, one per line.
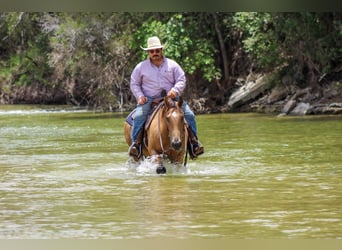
(164, 59)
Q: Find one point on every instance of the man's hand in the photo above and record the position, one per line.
(142, 100)
(172, 94)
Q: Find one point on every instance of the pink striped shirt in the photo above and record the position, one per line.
(149, 80)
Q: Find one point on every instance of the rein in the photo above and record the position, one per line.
(160, 136)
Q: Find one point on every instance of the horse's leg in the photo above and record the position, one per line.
(158, 159)
(160, 169)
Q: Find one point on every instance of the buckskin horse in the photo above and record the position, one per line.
(165, 134)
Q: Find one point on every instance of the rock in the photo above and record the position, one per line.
(300, 109)
(281, 115)
(278, 93)
(322, 109)
(248, 92)
(302, 94)
(335, 105)
(289, 106)
(199, 106)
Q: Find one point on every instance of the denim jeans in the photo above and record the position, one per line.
(143, 110)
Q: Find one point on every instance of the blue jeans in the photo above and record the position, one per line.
(143, 110)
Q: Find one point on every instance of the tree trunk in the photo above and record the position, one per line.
(222, 48)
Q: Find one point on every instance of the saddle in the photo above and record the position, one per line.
(156, 105)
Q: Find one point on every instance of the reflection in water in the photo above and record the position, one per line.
(66, 175)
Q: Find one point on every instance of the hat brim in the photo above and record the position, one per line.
(154, 47)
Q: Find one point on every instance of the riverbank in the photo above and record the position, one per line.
(249, 94)
(326, 99)
(258, 95)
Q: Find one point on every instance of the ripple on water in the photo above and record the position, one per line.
(66, 176)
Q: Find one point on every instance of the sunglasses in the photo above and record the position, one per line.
(154, 50)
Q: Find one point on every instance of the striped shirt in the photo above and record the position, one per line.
(149, 80)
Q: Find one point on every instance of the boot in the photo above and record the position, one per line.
(197, 147)
(194, 146)
(135, 149)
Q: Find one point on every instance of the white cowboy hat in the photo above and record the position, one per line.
(153, 43)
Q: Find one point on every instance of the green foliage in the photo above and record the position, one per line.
(90, 56)
(307, 43)
(258, 37)
(25, 68)
(25, 62)
(312, 42)
(185, 43)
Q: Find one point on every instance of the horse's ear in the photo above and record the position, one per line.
(180, 101)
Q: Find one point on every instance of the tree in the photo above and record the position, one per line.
(189, 42)
(90, 57)
(306, 45)
(23, 53)
(86, 58)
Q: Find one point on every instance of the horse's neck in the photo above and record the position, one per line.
(161, 119)
(157, 130)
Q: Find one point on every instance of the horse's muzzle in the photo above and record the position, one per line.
(176, 144)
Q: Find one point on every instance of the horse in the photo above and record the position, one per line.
(166, 135)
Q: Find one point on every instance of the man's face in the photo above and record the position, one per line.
(155, 54)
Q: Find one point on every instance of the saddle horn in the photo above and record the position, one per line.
(180, 101)
(163, 93)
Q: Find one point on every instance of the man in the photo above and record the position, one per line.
(149, 78)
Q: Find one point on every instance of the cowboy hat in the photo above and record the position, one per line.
(153, 43)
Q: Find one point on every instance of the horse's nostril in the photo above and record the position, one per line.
(177, 144)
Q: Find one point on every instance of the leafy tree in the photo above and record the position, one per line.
(90, 57)
(259, 39)
(23, 52)
(189, 42)
(87, 58)
(24, 49)
(306, 44)
(310, 42)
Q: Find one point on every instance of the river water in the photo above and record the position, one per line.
(64, 173)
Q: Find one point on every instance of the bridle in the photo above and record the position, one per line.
(173, 106)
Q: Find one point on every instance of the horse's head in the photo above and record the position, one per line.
(175, 122)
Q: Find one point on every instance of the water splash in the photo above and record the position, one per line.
(148, 166)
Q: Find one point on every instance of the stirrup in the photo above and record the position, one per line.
(195, 149)
(198, 149)
(135, 151)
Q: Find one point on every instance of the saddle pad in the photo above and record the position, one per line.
(152, 114)
(130, 117)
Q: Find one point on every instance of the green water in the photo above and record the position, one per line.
(64, 174)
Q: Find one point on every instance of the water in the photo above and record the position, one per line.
(64, 174)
